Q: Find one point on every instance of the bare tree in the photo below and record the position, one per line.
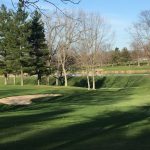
(84, 48)
(95, 37)
(30, 4)
(68, 36)
(137, 52)
(140, 32)
(53, 27)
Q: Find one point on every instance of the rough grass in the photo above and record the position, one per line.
(104, 119)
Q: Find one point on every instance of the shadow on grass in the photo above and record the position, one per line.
(10, 92)
(18, 120)
(101, 132)
(106, 97)
(105, 132)
(82, 82)
(77, 97)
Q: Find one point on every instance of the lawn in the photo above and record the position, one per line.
(104, 119)
(144, 68)
(120, 68)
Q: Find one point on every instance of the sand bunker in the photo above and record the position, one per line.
(24, 100)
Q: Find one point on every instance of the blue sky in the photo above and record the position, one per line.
(119, 13)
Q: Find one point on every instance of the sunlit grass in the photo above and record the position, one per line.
(115, 118)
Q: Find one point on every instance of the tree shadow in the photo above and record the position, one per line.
(104, 132)
(77, 97)
(105, 97)
(18, 120)
(100, 82)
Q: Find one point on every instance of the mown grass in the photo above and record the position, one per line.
(122, 68)
(104, 119)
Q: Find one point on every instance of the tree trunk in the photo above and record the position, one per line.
(88, 81)
(93, 79)
(57, 81)
(148, 63)
(38, 79)
(48, 80)
(14, 79)
(22, 83)
(129, 64)
(93, 82)
(57, 78)
(5, 78)
(38, 82)
(65, 75)
(138, 63)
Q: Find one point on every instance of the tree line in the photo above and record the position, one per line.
(54, 45)
(22, 43)
(126, 57)
(57, 45)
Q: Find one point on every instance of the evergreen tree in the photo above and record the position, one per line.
(20, 44)
(39, 49)
(125, 55)
(116, 57)
(5, 54)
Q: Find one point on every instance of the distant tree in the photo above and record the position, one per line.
(140, 32)
(116, 56)
(137, 52)
(125, 55)
(39, 51)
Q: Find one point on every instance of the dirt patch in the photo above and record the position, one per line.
(25, 99)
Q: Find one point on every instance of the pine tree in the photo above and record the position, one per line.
(39, 49)
(116, 57)
(125, 55)
(5, 55)
(20, 37)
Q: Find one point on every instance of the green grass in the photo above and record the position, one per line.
(115, 81)
(29, 80)
(120, 68)
(104, 119)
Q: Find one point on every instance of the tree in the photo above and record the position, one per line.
(116, 56)
(93, 40)
(5, 20)
(125, 55)
(100, 35)
(20, 35)
(140, 32)
(68, 36)
(30, 4)
(38, 50)
(137, 52)
(53, 27)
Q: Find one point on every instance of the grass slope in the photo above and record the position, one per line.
(116, 81)
(103, 119)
